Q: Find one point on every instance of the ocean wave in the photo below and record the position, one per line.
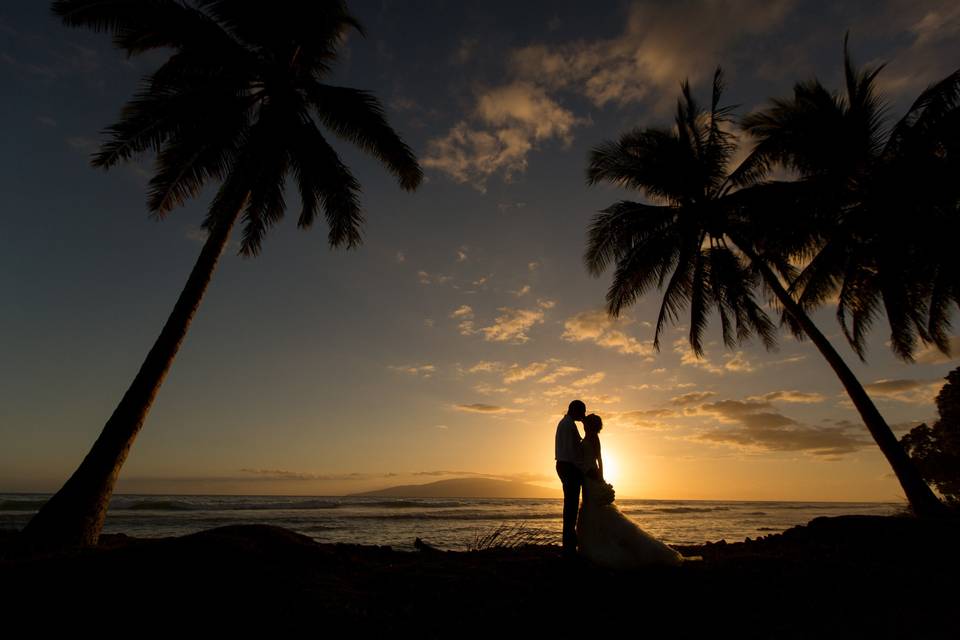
(21, 505)
(407, 504)
(179, 505)
(689, 509)
(458, 515)
(158, 505)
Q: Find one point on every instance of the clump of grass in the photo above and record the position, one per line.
(511, 536)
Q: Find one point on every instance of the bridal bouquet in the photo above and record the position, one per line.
(603, 492)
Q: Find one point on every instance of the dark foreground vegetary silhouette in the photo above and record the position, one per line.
(719, 235)
(936, 449)
(846, 577)
(238, 102)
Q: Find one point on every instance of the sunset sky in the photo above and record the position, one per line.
(450, 343)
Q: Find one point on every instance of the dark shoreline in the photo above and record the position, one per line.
(846, 576)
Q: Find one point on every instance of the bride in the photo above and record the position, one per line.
(605, 535)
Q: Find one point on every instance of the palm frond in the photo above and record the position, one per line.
(678, 289)
(614, 231)
(650, 160)
(323, 179)
(358, 116)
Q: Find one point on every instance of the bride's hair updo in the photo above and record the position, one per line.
(592, 423)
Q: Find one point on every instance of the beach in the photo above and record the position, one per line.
(845, 576)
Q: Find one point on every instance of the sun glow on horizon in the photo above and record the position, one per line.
(611, 468)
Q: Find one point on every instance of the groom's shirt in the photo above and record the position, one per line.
(569, 445)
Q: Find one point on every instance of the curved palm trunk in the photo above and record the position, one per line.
(922, 500)
(74, 515)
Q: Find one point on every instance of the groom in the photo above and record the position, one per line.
(569, 455)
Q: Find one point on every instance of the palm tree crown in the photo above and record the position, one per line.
(679, 245)
(239, 101)
(767, 225)
(886, 221)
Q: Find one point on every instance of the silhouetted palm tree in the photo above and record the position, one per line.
(238, 101)
(712, 239)
(885, 226)
(884, 233)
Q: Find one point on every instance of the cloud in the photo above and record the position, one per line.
(929, 31)
(818, 441)
(789, 396)
(597, 327)
(423, 370)
(733, 363)
(81, 143)
(465, 314)
(486, 366)
(433, 278)
(283, 474)
(691, 397)
(484, 408)
(645, 62)
(462, 254)
(511, 325)
(463, 311)
(902, 390)
(507, 123)
(592, 379)
(758, 427)
(533, 266)
(645, 418)
(522, 291)
(930, 354)
(516, 373)
(489, 389)
(558, 373)
(577, 387)
(401, 258)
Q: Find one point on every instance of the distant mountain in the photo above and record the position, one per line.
(467, 488)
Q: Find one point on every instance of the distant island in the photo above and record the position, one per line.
(466, 488)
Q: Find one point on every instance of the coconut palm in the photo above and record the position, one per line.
(709, 237)
(884, 242)
(238, 102)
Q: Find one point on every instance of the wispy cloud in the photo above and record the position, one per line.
(422, 370)
(906, 390)
(802, 397)
(516, 373)
(644, 62)
(732, 362)
(930, 354)
(597, 327)
(646, 418)
(691, 397)
(484, 408)
(758, 426)
(426, 277)
(507, 123)
(559, 372)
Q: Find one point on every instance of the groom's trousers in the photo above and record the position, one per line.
(572, 478)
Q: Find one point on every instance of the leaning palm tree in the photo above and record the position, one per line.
(238, 101)
(884, 243)
(709, 238)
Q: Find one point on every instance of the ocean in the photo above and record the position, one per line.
(453, 524)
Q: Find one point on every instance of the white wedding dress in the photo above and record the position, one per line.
(608, 537)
